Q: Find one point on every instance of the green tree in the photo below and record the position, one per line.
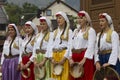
(15, 12)
(29, 11)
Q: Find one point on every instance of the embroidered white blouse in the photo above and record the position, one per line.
(29, 47)
(55, 43)
(15, 48)
(79, 42)
(37, 43)
(114, 45)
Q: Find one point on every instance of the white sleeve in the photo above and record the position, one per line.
(21, 50)
(49, 46)
(69, 46)
(91, 44)
(2, 56)
(115, 48)
(3, 52)
(34, 51)
(96, 50)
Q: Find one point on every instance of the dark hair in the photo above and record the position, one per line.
(15, 32)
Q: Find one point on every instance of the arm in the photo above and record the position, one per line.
(91, 44)
(115, 49)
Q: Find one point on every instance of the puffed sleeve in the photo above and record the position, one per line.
(96, 50)
(21, 50)
(91, 44)
(2, 56)
(115, 48)
(50, 46)
(69, 46)
(34, 48)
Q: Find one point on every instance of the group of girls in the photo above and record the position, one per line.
(22, 58)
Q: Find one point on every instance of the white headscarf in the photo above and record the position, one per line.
(109, 19)
(33, 26)
(15, 27)
(63, 14)
(48, 22)
(87, 16)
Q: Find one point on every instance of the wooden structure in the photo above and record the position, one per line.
(94, 7)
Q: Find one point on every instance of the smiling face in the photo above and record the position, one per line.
(103, 23)
(43, 25)
(11, 31)
(60, 21)
(28, 29)
(82, 20)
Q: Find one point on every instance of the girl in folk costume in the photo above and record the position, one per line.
(107, 47)
(59, 51)
(26, 61)
(39, 51)
(83, 46)
(10, 54)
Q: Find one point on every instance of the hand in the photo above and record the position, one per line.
(53, 61)
(71, 62)
(22, 67)
(27, 65)
(18, 67)
(98, 66)
(41, 64)
(62, 61)
(81, 63)
(36, 64)
(106, 64)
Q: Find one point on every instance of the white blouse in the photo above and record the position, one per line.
(79, 42)
(114, 45)
(44, 45)
(15, 48)
(29, 47)
(55, 43)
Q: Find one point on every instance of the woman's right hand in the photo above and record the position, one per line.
(53, 62)
(22, 66)
(98, 66)
(71, 62)
(36, 64)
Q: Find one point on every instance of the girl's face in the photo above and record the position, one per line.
(103, 23)
(28, 29)
(60, 21)
(43, 25)
(11, 31)
(82, 20)
(39, 28)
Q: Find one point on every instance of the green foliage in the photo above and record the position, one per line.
(15, 12)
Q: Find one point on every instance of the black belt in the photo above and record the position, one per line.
(11, 56)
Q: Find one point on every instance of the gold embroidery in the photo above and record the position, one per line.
(15, 45)
(55, 33)
(32, 42)
(47, 37)
(85, 35)
(108, 36)
(63, 36)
